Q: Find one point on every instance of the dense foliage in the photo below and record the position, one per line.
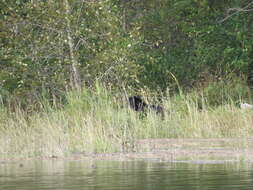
(48, 47)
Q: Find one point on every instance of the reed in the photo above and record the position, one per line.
(98, 121)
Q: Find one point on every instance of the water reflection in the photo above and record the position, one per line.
(124, 175)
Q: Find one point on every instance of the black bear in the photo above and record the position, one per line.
(137, 104)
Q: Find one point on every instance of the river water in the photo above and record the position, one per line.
(125, 175)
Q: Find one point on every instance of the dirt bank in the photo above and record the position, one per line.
(186, 150)
(175, 150)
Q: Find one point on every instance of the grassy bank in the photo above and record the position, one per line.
(100, 121)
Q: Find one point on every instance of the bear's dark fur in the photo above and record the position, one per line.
(139, 105)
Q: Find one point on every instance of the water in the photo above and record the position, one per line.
(128, 175)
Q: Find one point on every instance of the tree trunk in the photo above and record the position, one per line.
(75, 76)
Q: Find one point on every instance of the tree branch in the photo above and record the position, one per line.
(236, 11)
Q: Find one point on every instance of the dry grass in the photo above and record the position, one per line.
(96, 123)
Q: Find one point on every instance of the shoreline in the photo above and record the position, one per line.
(215, 150)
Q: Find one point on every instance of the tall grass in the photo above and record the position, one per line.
(99, 121)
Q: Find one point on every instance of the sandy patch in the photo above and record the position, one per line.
(173, 150)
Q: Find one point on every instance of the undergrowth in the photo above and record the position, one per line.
(99, 121)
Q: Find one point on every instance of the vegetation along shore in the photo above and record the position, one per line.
(70, 72)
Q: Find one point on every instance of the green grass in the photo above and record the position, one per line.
(100, 121)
